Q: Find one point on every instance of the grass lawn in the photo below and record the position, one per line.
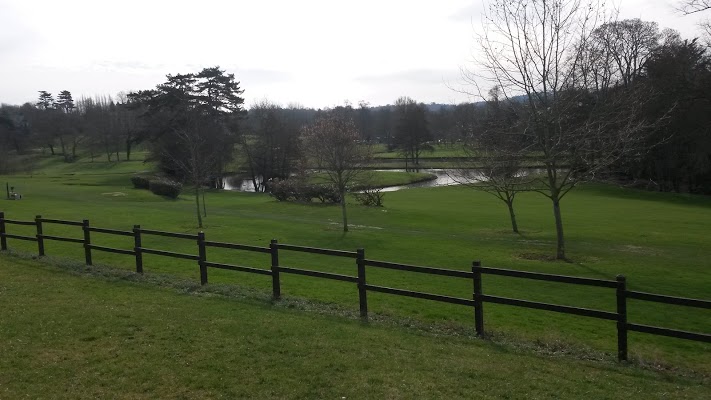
(439, 151)
(69, 333)
(659, 241)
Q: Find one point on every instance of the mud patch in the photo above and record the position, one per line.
(537, 257)
(629, 248)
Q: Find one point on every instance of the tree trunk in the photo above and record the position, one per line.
(514, 224)
(343, 209)
(61, 142)
(560, 251)
(128, 149)
(197, 205)
(204, 207)
(51, 148)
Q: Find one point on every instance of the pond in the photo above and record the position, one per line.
(443, 178)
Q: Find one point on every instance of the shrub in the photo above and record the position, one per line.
(326, 193)
(140, 182)
(370, 197)
(298, 190)
(282, 190)
(165, 187)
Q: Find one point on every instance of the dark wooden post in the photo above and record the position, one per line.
(40, 238)
(478, 303)
(621, 318)
(276, 284)
(362, 292)
(202, 257)
(87, 241)
(3, 239)
(137, 248)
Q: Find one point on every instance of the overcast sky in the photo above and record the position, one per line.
(311, 52)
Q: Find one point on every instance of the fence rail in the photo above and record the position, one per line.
(474, 276)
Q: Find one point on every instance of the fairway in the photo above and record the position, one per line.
(659, 241)
(70, 333)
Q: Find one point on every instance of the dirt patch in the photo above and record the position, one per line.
(629, 248)
(537, 257)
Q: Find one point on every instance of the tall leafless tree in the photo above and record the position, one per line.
(332, 142)
(531, 49)
(494, 157)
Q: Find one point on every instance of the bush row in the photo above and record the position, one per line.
(298, 190)
(157, 185)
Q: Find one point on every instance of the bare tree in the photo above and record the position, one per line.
(693, 6)
(688, 7)
(617, 51)
(199, 161)
(494, 157)
(332, 143)
(412, 136)
(532, 50)
(271, 144)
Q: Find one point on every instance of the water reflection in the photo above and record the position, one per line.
(443, 178)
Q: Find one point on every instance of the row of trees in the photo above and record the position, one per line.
(64, 126)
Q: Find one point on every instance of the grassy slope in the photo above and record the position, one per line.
(66, 336)
(658, 240)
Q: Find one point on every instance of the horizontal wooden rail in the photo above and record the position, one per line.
(415, 268)
(16, 222)
(682, 301)
(235, 246)
(655, 330)
(60, 221)
(110, 231)
(549, 277)
(316, 250)
(169, 234)
(112, 250)
(20, 237)
(319, 274)
(622, 295)
(169, 254)
(238, 268)
(586, 312)
(62, 239)
(421, 295)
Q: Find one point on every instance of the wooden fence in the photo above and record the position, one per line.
(361, 262)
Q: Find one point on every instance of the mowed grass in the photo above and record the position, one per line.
(66, 333)
(659, 241)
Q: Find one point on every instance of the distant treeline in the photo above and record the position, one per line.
(263, 141)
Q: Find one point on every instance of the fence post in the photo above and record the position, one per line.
(202, 257)
(87, 241)
(3, 239)
(362, 292)
(40, 238)
(621, 318)
(137, 248)
(478, 303)
(276, 284)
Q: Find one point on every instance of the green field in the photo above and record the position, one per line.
(659, 241)
(67, 333)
